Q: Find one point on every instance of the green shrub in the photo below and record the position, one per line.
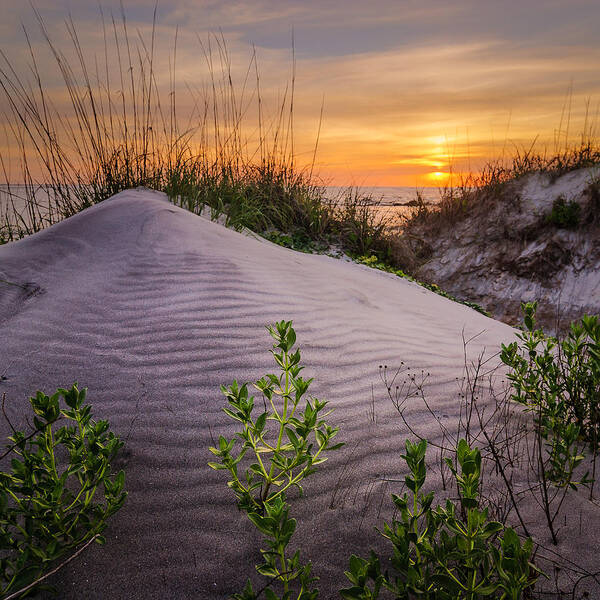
(559, 380)
(559, 383)
(285, 443)
(564, 214)
(47, 500)
(447, 553)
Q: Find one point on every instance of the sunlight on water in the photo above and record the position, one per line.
(389, 196)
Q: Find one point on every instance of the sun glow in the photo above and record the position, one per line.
(438, 177)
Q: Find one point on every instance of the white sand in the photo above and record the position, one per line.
(152, 308)
(506, 253)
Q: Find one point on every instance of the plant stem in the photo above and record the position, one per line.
(49, 574)
(282, 423)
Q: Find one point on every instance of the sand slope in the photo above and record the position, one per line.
(152, 308)
(505, 252)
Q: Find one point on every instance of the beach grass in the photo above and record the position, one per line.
(123, 127)
(489, 184)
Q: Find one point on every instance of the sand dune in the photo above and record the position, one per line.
(152, 308)
(505, 251)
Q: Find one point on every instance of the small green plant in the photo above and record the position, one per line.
(48, 501)
(564, 214)
(447, 553)
(580, 362)
(280, 447)
(559, 383)
(297, 240)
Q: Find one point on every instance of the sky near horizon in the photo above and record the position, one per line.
(407, 87)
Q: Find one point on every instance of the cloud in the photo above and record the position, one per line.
(394, 75)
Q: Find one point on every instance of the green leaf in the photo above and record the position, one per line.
(491, 528)
(217, 466)
(292, 437)
(321, 439)
(354, 593)
(487, 590)
(271, 595)
(336, 446)
(267, 570)
(260, 422)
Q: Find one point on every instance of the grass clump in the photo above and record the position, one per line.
(123, 127)
(564, 215)
(49, 505)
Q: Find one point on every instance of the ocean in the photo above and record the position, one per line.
(390, 196)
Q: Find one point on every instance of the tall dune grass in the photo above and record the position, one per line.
(123, 127)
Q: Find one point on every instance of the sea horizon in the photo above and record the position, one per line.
(388, 195)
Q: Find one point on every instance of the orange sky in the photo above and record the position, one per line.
(408, 88)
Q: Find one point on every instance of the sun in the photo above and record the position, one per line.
(437, 177)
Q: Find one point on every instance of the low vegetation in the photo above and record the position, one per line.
(537, 435)
(451, 552)
(564, 215)
(59, 493)
(456, 550)
(558, 380)
(463, 548)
